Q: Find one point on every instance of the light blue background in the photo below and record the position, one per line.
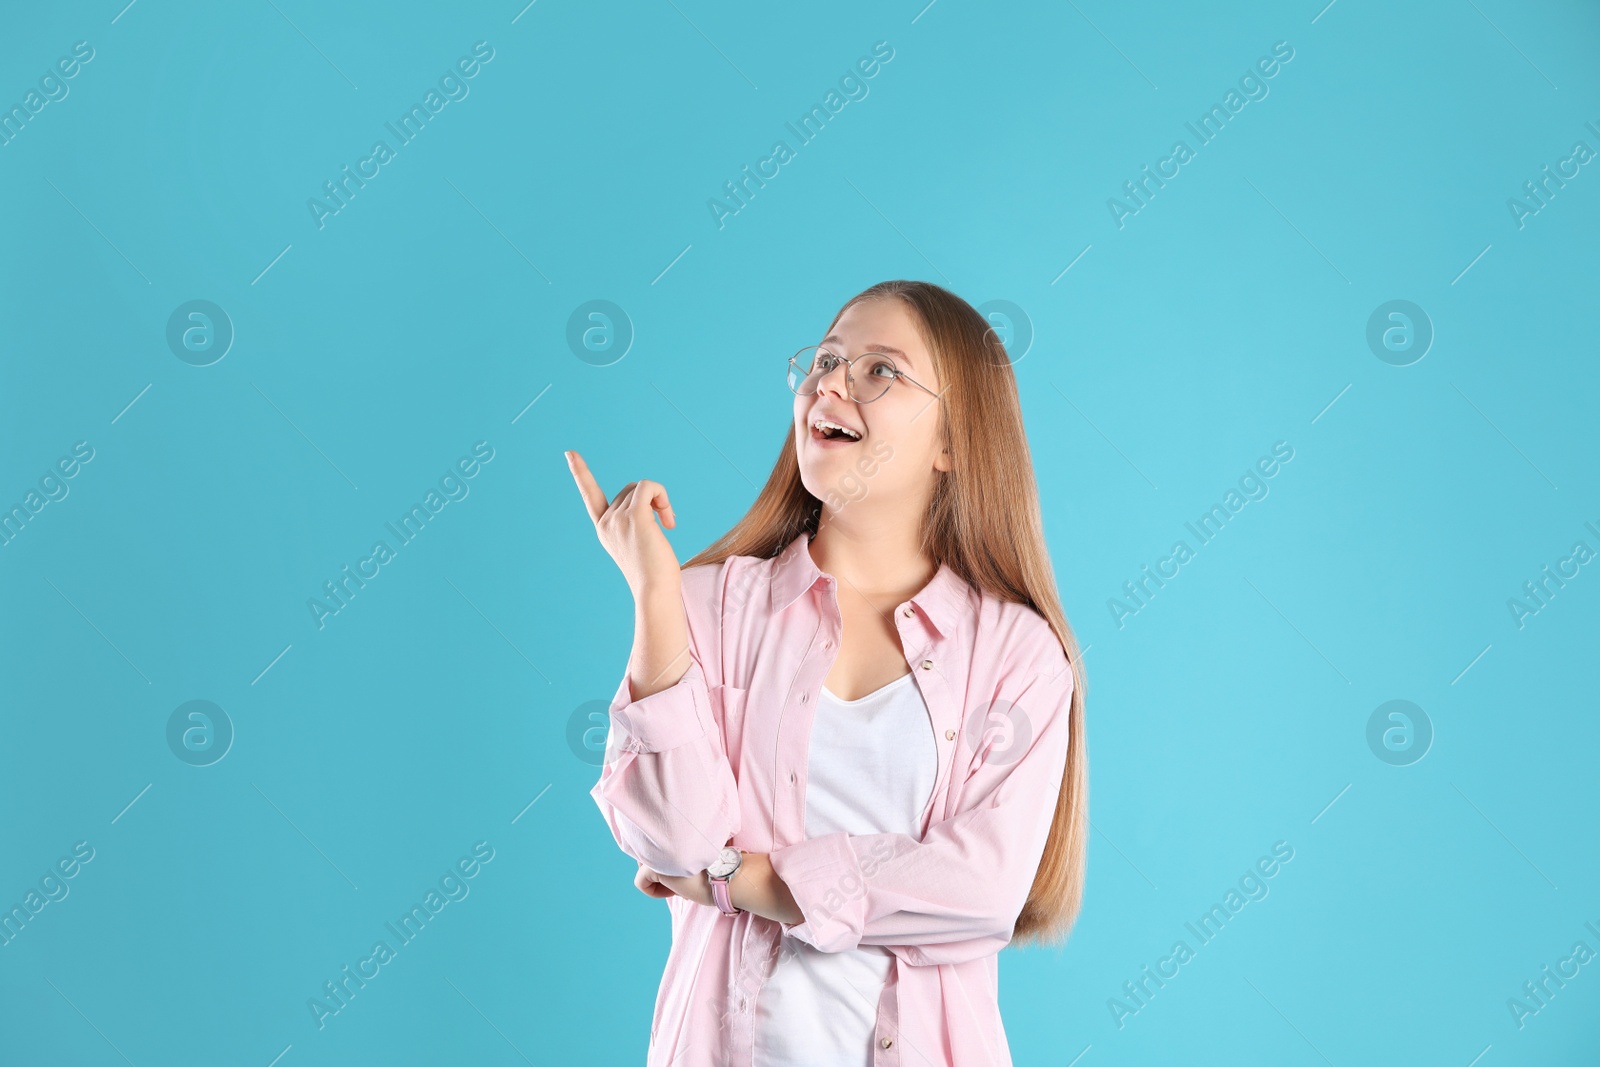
(1228, 314)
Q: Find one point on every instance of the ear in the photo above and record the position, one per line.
(944, 461)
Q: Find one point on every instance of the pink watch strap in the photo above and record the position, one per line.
(720, 894)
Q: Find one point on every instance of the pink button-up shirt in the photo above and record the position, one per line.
(722, 754)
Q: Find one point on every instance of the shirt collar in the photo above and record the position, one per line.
(944, 600)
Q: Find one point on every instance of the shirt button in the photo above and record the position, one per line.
(949, 735)
(927, 664)
(743, 1002)
(910, 611)
(791, 777)
(887, 1042)
(803, 697)
(827, 645)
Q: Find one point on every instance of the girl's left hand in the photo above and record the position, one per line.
(695, 888)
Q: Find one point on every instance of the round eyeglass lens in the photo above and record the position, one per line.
(869, 379)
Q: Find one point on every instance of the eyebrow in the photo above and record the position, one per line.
(836, 339)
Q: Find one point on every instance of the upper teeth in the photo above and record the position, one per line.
(824, 424)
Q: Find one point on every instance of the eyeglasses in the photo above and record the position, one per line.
(810, 365)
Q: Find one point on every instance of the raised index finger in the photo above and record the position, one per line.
(588, 488)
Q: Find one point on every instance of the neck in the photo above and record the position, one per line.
(876, 556)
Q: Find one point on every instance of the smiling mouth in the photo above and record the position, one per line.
(824, 430)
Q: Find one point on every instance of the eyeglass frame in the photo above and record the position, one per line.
(849, 374)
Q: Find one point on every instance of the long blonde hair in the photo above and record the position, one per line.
(984, 522)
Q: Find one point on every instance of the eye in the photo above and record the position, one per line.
(882, 368)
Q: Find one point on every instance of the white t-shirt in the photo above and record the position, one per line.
(871, 770)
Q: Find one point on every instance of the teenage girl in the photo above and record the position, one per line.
(848, 750)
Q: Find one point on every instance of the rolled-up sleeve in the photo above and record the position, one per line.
(956, 894)
(666, 789)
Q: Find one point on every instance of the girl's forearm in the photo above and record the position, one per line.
(757, 889)
(660, 642)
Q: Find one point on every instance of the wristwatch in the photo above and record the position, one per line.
(721, 870)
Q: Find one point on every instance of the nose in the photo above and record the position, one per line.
(837, 381)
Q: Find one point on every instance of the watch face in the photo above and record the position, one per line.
(726, 863)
